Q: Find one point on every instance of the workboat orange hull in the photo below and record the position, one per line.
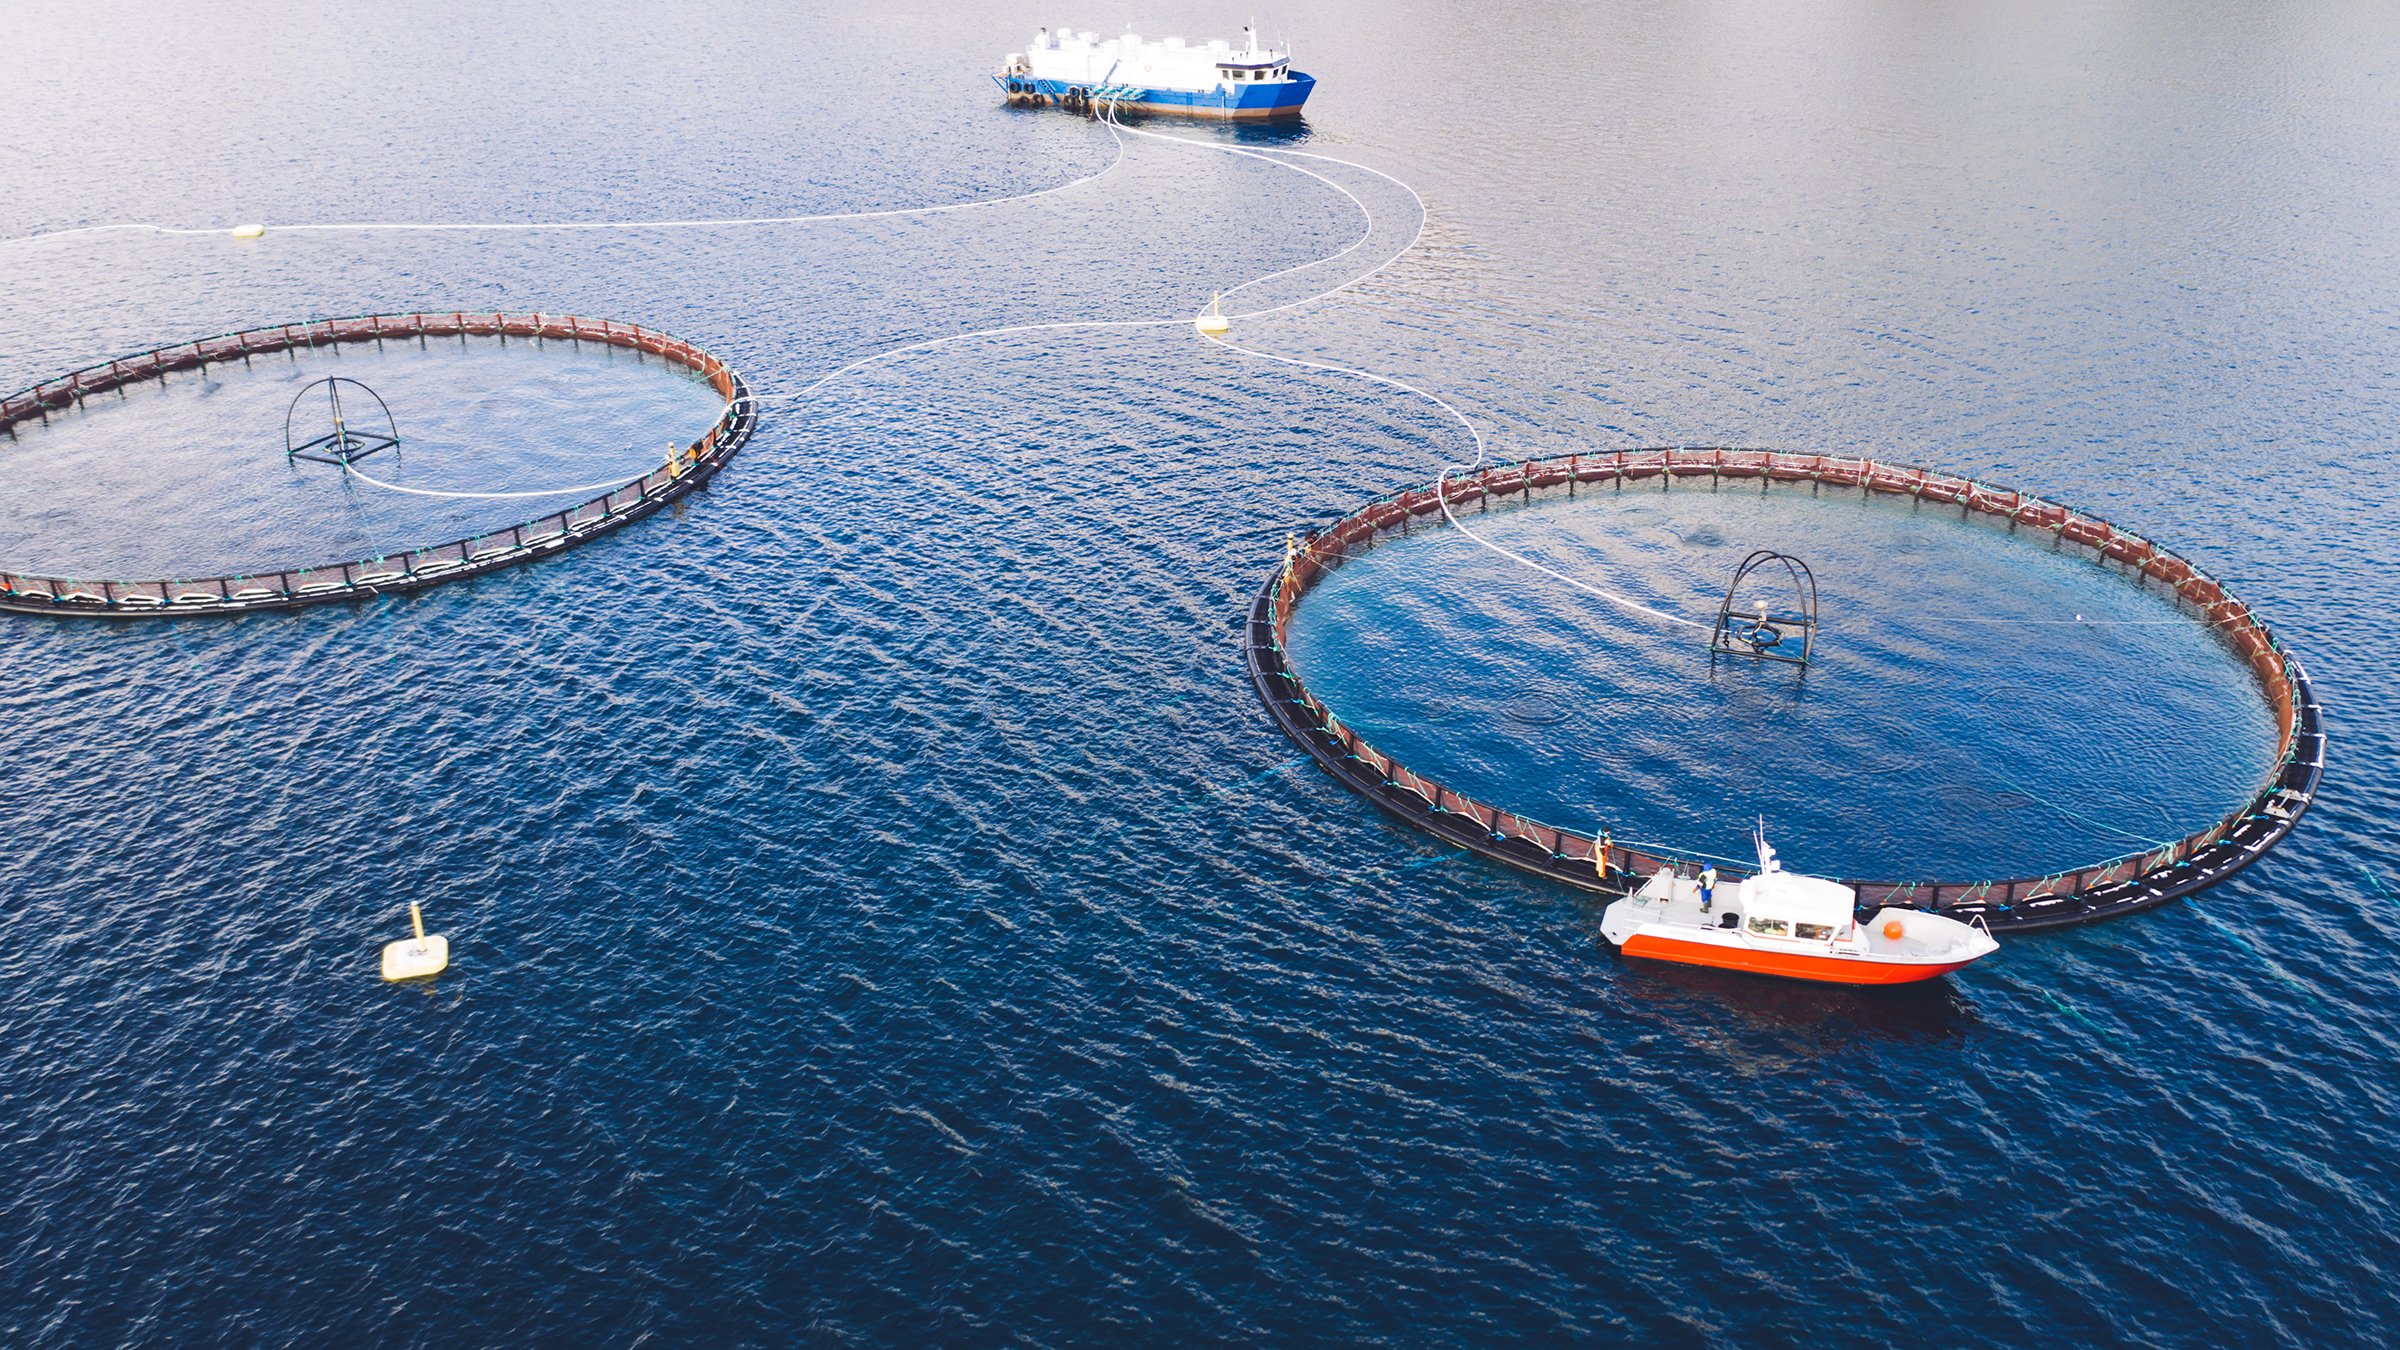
(1865, 969)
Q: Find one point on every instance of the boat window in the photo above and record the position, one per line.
(1819, 931)
(1770, 927)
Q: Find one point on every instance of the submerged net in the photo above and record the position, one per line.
(2155, 872)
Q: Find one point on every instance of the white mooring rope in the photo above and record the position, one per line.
(1481, 454)
(1114, 128)
(523, 226)
(607, 486)
(1117, 133)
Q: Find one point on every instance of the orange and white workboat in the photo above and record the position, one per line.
(1780, 923)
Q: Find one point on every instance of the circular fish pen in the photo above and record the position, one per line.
(690, 466)
(1596, 863)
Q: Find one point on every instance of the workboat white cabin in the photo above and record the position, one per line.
(1089, 73)
(1782, 923)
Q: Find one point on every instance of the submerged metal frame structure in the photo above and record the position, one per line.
(344, 444)
(2102, 889)
(1760, 635)
(685, 469)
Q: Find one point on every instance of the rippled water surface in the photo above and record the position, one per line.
(880, 912)
(1978, 705)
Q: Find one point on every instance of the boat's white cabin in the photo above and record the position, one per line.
(1773, 905)
(1784, 904)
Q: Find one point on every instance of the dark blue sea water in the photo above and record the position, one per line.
(880, 913)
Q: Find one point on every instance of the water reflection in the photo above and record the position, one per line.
(1832, 1017)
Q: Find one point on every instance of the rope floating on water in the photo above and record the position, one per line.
(727, 222)
(415, 568)
(1265, 155)
(606, 484)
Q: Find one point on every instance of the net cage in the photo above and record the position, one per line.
(1592, 862)
(690, 467)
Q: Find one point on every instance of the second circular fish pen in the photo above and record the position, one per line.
(1587, 861)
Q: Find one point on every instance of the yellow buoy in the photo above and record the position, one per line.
(1214, 321)
(415, 958)
(249, 231)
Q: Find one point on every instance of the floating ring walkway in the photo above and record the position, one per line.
(410, 570)
(2117, 886)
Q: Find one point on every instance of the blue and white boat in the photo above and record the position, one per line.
(1088, 73)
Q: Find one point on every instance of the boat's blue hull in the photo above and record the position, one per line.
(1280, 98)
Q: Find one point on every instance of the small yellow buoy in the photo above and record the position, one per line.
(1214, 321)
(415, 958)
(249, 231)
